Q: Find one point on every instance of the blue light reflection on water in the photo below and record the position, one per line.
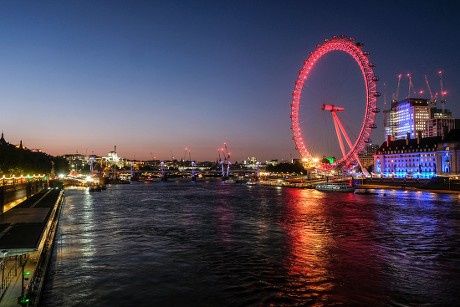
(208, 244)
(420, 235)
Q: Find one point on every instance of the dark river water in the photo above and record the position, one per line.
(205, 243)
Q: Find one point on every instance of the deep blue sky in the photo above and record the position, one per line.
(154, 77)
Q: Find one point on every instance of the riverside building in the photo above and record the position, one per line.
(406, 116)
(440, 121)
(421, 141)
(419, 157)
(412, 115)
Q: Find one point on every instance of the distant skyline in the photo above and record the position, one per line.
(156, 77)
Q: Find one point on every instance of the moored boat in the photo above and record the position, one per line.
(97, 188)
(335, 187)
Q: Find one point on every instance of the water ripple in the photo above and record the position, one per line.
(208, 244)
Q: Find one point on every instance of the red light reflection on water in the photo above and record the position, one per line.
(331, 252)
(309, 239)
(225, 223)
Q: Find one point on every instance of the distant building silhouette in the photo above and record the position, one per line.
(2, 141)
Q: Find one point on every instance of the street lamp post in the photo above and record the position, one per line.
(4, 253)
(22, 279)
(22, 300)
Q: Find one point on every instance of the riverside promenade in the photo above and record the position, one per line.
(27, 233)
(436, 185)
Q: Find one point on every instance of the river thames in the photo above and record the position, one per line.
(205, 243)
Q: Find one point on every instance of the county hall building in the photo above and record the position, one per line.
(413, 149)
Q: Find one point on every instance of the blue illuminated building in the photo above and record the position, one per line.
(406, 116)
(419, 157)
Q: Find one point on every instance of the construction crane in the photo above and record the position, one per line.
(397, 89)
(443, 93)
(384, 95)
(227, 154)
(220, 160)
(411, 86)
(433, 100)
(185, 154)
(227, 159)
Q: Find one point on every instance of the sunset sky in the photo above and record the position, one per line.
(156, 77)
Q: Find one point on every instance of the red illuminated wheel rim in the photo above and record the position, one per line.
(354, 49)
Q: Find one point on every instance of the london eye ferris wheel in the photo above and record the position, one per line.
(350, 144)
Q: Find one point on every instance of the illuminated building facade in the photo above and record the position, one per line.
(420, 157)
(389, 120)
(113, 159)
(405, 116)
(449, 154)
(76, 161)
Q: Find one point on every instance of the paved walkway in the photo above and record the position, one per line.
(13, 204)
(398, 187)
(13, 281)
(10, 286)
(27, 230)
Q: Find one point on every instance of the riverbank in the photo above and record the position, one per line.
(436, 185)
(26, 242)
(402, 187)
